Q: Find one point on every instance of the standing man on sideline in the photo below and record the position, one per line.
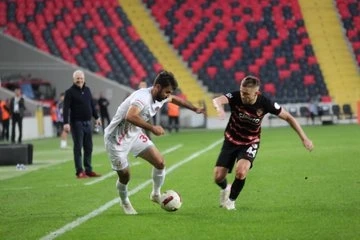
(242, 135)
(17, 109)
(79, 101)
(104, 113)
(124, 134)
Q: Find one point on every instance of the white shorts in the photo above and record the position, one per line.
(118, 152)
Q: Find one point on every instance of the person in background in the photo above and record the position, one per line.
(60, 121)
(103, 104)
(79, 102)
(5, 115)
(17, 110)
(173, 112)
(54, 120)
(242, 135)
(125, 134)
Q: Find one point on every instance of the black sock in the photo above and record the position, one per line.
(222, 184)
(236, 188)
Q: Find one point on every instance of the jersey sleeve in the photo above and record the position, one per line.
(272, 107)
(139, 100)
(233, 97)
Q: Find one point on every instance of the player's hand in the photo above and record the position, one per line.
(157, 130)
(67, 127)
(308, 144)
(98, 122)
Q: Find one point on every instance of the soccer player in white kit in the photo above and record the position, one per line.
(125, 134)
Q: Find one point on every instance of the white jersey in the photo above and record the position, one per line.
(142, 98)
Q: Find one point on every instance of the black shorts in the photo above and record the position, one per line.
(231, 153)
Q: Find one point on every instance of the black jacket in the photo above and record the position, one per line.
(22, 107)
(80, 103)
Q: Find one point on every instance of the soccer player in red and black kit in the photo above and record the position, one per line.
(242, 135)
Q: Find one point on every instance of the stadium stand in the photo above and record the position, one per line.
(96, 35)
(223, 42)
(349, 11)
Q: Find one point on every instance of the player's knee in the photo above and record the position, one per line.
(124, 176)
(218, 177)
(241, 174)
(159, 164)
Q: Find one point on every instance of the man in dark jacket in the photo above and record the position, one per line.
(17, 109)
(78, 100)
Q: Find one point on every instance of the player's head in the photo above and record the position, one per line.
(79, 78)
(249, 89)
(142, 84)
(164, 83)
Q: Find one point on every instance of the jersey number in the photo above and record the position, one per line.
(144, 138)
(251, 151)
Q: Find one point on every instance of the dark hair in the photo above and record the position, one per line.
(250, 81)
(62, 94)
(165, 79)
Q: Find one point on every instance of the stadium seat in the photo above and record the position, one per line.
(83, 33)
(267, 39)
(349, 11)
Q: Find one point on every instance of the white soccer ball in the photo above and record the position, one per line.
(170, 200)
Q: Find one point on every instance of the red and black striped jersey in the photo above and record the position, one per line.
(244, 126)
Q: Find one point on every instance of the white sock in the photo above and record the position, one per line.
(158, 176)
(123, 193)
(63, 143)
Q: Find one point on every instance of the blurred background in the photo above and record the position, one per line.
(306, 53)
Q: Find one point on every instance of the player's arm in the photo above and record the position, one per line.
(184, 103)
(285, 115)
(219, 103)
(133, 116)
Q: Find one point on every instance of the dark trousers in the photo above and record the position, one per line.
(104, 116)
(173, 121)
(81, 132)
(5, 130)
(16, 119)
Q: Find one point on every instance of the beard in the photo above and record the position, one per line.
(159, 98)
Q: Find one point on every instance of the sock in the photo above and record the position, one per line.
(158, 176)
(123, 193)
(236, 188)
(63, 143)
(222, 184)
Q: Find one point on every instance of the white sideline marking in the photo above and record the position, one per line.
(103, 208)
(133, 164)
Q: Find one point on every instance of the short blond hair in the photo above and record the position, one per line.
(78, 72)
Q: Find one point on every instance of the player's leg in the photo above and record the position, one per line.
(122, 187)
(246, 156)
(242, 169)
(224, 164)
(119, 163)
(144, 148)
(154, 157)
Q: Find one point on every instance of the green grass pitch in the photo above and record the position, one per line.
(289, 194)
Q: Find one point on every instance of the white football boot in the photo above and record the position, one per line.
(128, 208)
(224, 195)
(155, 197)
(229, 205)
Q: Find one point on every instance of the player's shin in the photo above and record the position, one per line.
(123, 191)
(158, 176)
(222, 184)
(236, 188)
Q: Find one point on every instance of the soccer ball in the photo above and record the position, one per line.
(170, 200)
